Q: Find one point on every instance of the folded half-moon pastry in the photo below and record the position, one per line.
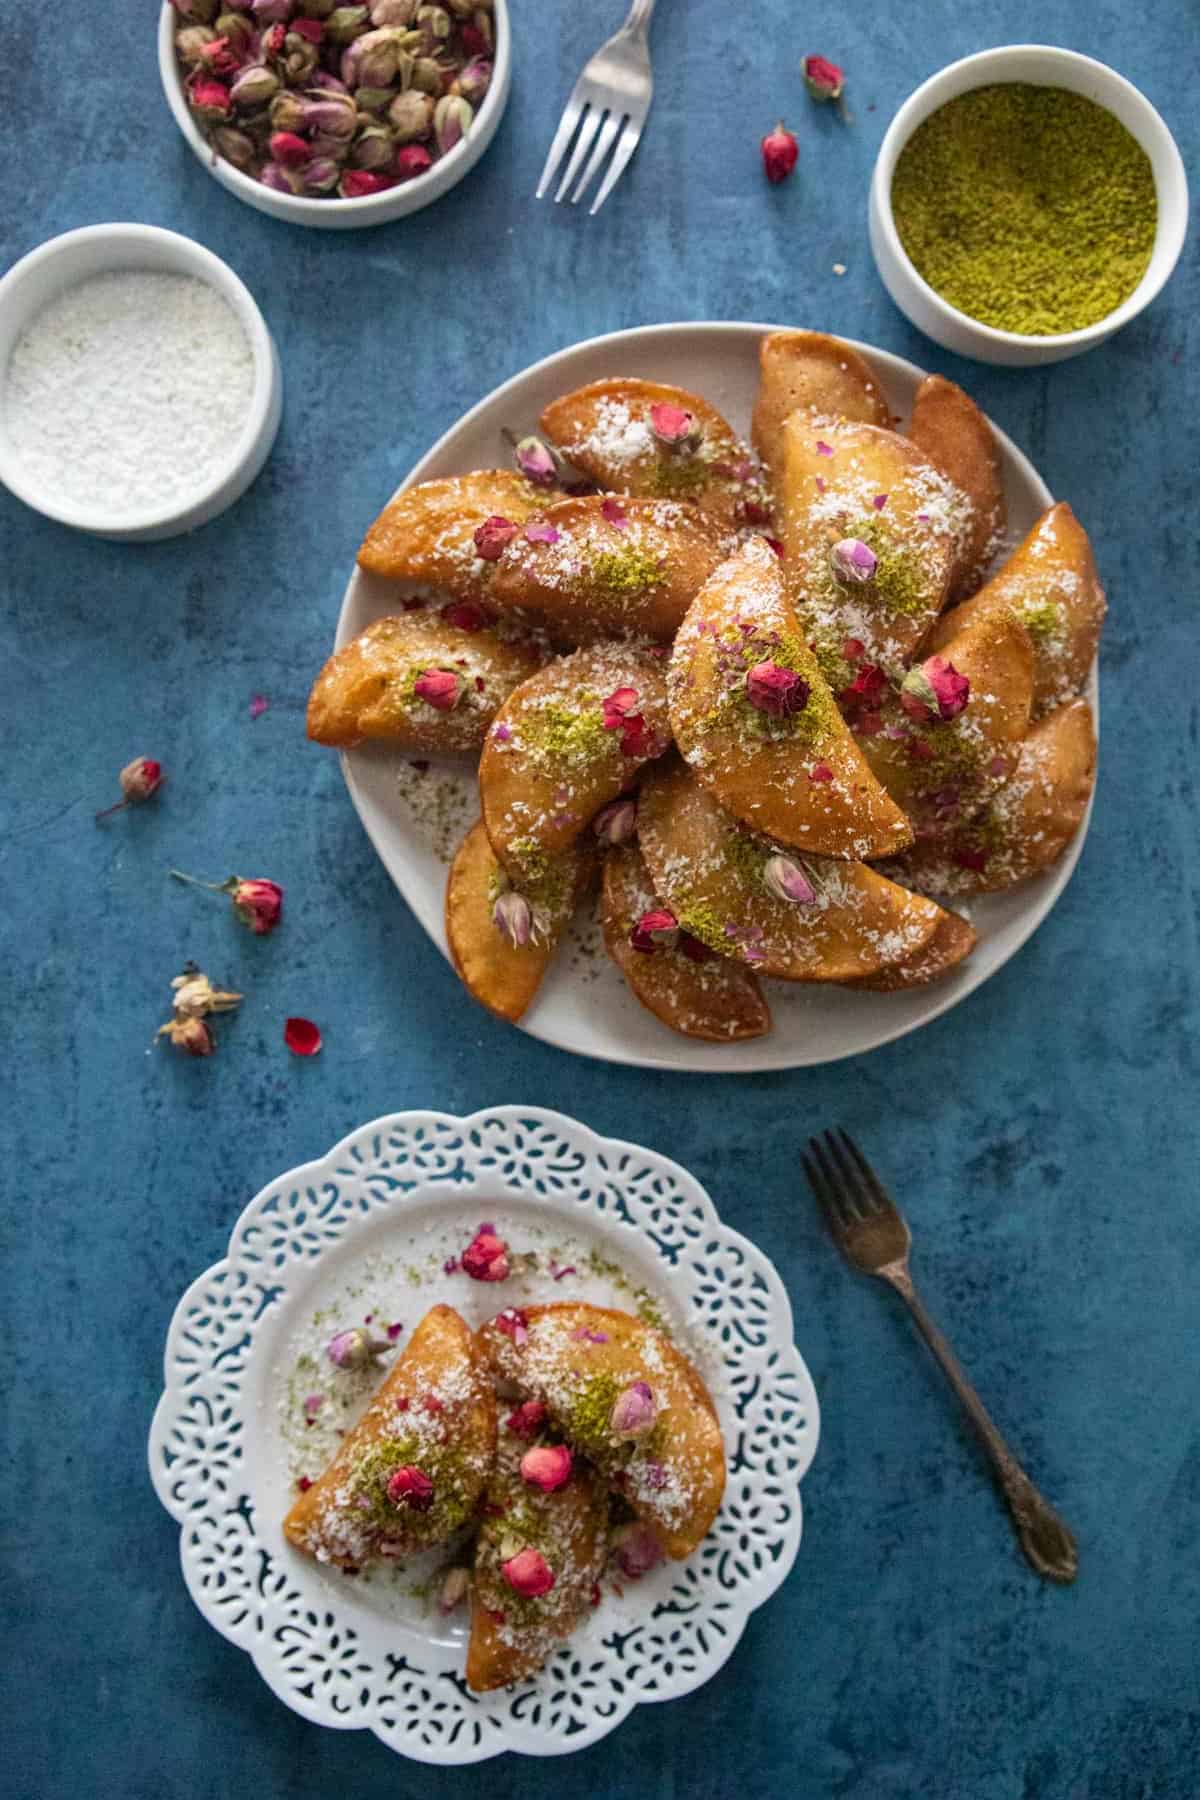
(503, 928)
(427, 533)
(948, 428)
(818, 376)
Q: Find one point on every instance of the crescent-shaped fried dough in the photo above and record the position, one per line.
(577, 1359)
(949, 429)
(711, 872)
(694, 991)
(807, 372)
(1027, 824)
(856, 481)
(511, 1636)
(954, 939)
(604, 430)
(551, 762)
(1050, 582)
(427, 533)
(611, 568)
(365, 689)
(953, 764)
(759, 767)
(499, 974)
(346, 1516)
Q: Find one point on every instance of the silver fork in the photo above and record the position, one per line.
(613, 94)
(870, 1231)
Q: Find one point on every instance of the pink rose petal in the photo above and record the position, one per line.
(302, 1037)
(258, 705)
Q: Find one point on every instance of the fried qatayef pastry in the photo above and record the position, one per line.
(580, 1361)
(844, 483)
(513, 1629)
(427, 533)
(819, 376)
(682, 982)
(435, 1418)
(374, 687)
(948, 428)
(723, 884)
(1050, 583)
(569, 740)
(793, 771)
(607, 430)
(598, 566)
(1027, 824)
(501, 955)
(933, 766)
(954, 939)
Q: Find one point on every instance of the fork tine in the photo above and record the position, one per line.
(878, 1195)
(856, 1196)
(626, 145)
(608, 132)
(816, 1167)
(589, 125)
(572, 112)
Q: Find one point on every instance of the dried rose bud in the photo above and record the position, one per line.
(634, 1411)
(287, 112)
(674, 427)
(311, 30)
(272, 12)
(636, 1550)
(234, 146)
(657, 930)
(394, 12)
(203, 11)
(776, 691)
(435, 25)
(410, 1487)
(439, 688)
(333, 115)
(282, 180)
(547, 1467)
(779, 153)
(413, 160)
(235, 26)
(357, 184)
(934, 690)
(354, 1349)
(492, 537)
(289, 150)
(221, 58)
(258, 903)
(527, 1419)
(513, 918)
(451, 121)
(410, 116)
(273, 41)
(536, 461)
(486, 1256)
(467, 615)
(823, 79)
(189, 1034)
(196, 997)
(191, 43)
(139, 779)
(853, 561)
(208, 99)
(478, 36)
(374, 148)
(616, 823)
(528, 1574)
(473, 80)
(346, 23)
(315, 9)
(254, 86)
(427, 76)
(373, 60)
(454, 1589)
(786, 880)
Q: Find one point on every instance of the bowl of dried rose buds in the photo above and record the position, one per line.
(336, 115)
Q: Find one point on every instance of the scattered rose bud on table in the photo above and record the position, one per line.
(779, 153)
(139, 780)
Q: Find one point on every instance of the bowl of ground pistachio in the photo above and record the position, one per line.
(1026, 203)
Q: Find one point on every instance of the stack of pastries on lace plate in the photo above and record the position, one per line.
(781, 700)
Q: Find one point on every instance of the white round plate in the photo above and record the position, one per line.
(366, 1231)
(584, 1004)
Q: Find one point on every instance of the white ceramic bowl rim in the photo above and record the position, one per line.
(300, 206)
(194, 259)
(989, 64)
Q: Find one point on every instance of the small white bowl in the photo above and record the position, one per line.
(336, 214)
(1042, 65)
(65, 261)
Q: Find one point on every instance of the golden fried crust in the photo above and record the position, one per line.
(577, 1359)
(857, 481)
(711, 873)
(822, 377)
(365, 689)
(494, 971)
(345, 1517)
(1050, 583)
(613, 568)
(761, 768)
(511, 1637)
(958, 762)
(950, 430)
(604, 431)
(551, 762)
(427, 533)
(714, 999)
(954, 939)
(1027, 824)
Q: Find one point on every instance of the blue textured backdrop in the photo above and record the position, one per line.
(1043, 1135)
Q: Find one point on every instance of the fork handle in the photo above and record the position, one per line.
(1048, 1544)
(639, 16)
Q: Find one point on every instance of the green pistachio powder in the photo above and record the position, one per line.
(1028, 208)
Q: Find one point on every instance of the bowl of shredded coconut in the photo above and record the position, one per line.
(140, 389)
